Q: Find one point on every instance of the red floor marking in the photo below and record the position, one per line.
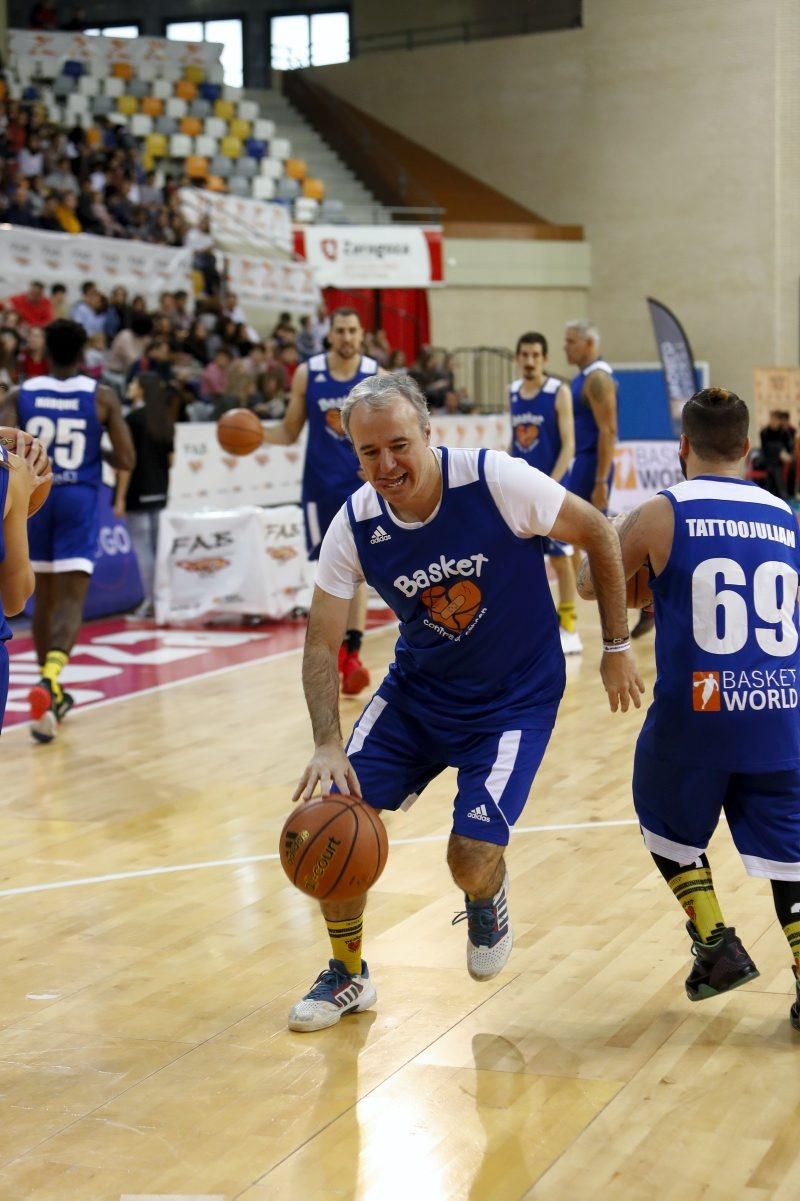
(118, 658)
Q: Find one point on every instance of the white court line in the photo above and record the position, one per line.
(203, 675)
(143, 872)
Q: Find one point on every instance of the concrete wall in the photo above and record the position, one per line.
(668, 128)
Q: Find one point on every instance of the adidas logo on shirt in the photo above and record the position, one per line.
(319, 379)
(479, 814)
(380, 535)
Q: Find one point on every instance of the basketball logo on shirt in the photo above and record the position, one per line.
(705, 692)
(333, 420)
(525, 436)
(453, 607)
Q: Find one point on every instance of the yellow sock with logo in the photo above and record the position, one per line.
(694, 889)
(345, 939)
(567, 618)
(792, 932)
(54, 664)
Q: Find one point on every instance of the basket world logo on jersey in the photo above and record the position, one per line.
(732, 691)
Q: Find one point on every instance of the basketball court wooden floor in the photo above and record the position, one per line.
(152, 948)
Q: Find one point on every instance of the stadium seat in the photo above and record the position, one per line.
(152, 106)
(239, 129)
(231, 147)
(215, 183)
(191, 126)
(255, 148)
(248, 167)
(185, 89)
(247, 110)
(149, 72)
(210, 91)
(102, 106)
(332, 210)
(263, 128)
(113, 86)
(215, 73)
(224, 109)
(74, 68)
(313, 189)
(156, 145)
(215, 127)
(138, 88)
(280, 148)
(141, 125)
(194, 73)
(77, 105)
(271, 168)
(65, 85)
(176, 107)
(196, 166)
(170, 71)
(305, 210)
(296, 168)
(166, 125)
(93, 137)
(180, 146)
(232, 94)
(122, 70)
(263, 188)
(200, 108)
(287, 189)
(128, 105)
(30, 92)
(220, 165)
(162, 88)
(116, 118)
(206, 146)
(239, 186)
(89, 85)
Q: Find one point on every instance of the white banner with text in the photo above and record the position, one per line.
(240, 225)
(372, 256)
(641, 469)
(56, 48)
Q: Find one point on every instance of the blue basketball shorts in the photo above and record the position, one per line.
(396, 755)
(62, 536)
(582, 476)
(679, 806)
(317, 516)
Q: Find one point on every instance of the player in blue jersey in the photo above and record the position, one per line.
(68, 412)
(330, 471)
(723, 731)
(594, 406)
(21, 471)
(543, 434)
(452, 541)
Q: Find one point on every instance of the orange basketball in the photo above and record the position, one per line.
(637, 590)
(455, 606)
(8, 437)
(333, 847)
(239, 432)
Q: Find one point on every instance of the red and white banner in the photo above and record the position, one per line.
(372, 256)
(240, 225)
(56, 48)
(272, 285)
(246, 560)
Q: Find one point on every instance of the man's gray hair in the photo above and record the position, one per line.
(381, 391)
(586, 329)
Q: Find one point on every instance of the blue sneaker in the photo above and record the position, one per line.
(489, 933)
(334, 994)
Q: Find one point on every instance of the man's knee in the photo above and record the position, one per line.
(476, 867)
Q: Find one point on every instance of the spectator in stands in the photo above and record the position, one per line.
(157, 358)
(58, 299)
(33, 306)
(130, 344)
(150, 195)
(66, 213)
(284, 333)
(87, 311)
(181, 317)
(34, 361)
(433, 380)
(776, 457)
(142, 493)
(49, 219)
(270, 399)
(376, 345)
(232, 309)
(197, 342)
(118, 314)
(9, 356)
(61, 178)
(30, 160)
(94, 354)
(397, 361)
(287, 356)
(19, 210)
(214, 376)
(305, 342)
(320, 328)
(43, 15)
(790, 441)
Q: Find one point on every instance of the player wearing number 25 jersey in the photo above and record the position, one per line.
(68, 412)
(723, 731)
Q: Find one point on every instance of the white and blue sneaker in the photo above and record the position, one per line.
(335, 993)
(489, 933)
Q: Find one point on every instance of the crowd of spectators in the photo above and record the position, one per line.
(774, 464)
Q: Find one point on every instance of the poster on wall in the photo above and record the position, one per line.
(372, 256)
(776, 388)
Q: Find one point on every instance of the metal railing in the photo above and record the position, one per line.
(532, 19)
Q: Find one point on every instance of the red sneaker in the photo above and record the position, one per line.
(355, 676)
(343, 653)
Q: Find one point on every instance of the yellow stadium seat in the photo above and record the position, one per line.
(314, 189)
(156, 145)
(296, 168)
(185, 89)
(196, 166)
(215, 183)
(194, 73)
(231, 147)
(192, 126)
(224, 109)
(93, 137)
(122, 70)
(239, 128)
(128, 105)
(152, 106)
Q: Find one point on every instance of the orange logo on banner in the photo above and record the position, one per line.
(624, 469)
(705, 691)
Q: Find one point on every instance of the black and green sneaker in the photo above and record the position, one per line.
(718, 966)
(62, 705)
(794, 1012)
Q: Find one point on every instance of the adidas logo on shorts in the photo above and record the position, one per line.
(379, 535)
(479, 814)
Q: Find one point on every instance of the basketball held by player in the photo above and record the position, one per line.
(452, 541)
(722, 734)
(330, 471)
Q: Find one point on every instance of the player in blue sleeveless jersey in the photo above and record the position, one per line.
(723, 731)
(594, 406)
(21, 471)
(452, 540)
(68, 412)
(543, 434)
(330, 471)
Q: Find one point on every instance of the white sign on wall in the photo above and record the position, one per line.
(641, 469)
(372, 256)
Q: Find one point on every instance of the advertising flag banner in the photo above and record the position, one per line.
(676, 359)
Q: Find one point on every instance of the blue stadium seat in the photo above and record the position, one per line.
(210, 91)
(73, 68)
(30, 93)
(255, 148)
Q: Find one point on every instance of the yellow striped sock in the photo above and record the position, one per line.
(792, 932)
(694, 889)
(54, 664)
(567, 618)
(345, 939)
